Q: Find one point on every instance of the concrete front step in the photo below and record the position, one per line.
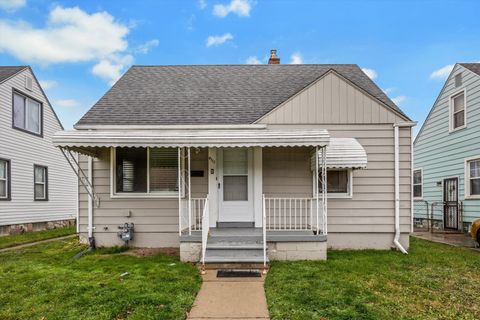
(234, 256)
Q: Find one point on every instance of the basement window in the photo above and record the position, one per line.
(145, 171)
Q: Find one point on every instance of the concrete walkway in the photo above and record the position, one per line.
(230, 298)
(453, 239)
(26, 245)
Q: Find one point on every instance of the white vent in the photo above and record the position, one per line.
(28, 83)
(458, 80)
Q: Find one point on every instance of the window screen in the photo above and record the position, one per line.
(235, 174)
(27, 114)
(131, 169)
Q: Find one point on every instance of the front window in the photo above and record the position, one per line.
(146, 170)
(4, 179)
(40, 177)
(473, 177)
(458, 111)
(417, 184)
(27, 114)
(338, 182)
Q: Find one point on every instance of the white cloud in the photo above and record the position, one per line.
(372, 74)
(110, 69)
(66, 103)
(239, 7)
(144, 48)
(296, 58)
(442, 73)
(12, 5)
(202, 4)
(218, 40)
(48, 84)
(70, 35)
(253, 60)
(389, 90)
(398, 100)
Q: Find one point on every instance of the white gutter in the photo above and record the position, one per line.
(167, 127)
(396, 239)
(90, 201)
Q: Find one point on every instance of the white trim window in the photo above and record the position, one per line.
(4, 179)
(145, 172)
(418, 184)
(40, 183)
(472, 178)
(339, 183)
(458, 111)
(27, 114)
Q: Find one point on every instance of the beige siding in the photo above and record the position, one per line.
(286, 172)
(333, 100)
(156, 220)
(24, 150)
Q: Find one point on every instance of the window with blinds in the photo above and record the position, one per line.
(163, 169)
(146, 170)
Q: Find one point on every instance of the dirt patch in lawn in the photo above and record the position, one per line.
(146, 252)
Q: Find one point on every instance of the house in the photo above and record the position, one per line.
(221, 160)
(37, 187)
(447, 154)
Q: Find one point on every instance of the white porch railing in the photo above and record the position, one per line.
(191, 217)
(205, 229)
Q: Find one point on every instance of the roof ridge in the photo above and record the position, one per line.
(241, 64)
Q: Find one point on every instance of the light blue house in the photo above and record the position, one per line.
(446, 179)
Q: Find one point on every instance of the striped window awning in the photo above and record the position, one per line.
(261, 137)
(345, 153)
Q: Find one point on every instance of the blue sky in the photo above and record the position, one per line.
(79, 48)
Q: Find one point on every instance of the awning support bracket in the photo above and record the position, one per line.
(82, 177)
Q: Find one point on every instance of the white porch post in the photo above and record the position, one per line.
(189, 194)
(179, 192)
(324, 189)
(316, 185)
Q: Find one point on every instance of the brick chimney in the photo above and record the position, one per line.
(273, 57)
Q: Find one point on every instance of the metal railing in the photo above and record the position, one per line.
(205, 229)
(264, 229)
(191, 215)
(291, 214)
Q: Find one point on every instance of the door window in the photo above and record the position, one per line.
(235, 174)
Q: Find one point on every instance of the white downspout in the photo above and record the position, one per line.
(396, 239)
(90, 200)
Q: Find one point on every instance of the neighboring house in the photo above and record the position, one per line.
(38, 189)
(447, 154)
(250, 139)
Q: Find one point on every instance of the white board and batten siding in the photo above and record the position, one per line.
(24, 150)
(441, 154)
(367, 218)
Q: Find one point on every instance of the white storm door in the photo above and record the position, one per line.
(235, 185)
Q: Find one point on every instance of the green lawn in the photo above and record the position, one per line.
(433, 282)
(44, 282)
(10, 241)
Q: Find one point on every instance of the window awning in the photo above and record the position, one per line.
(261, 137)
(345, 153)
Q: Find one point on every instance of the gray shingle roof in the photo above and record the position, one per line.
(211, 94)
(474, 67)
(8, 71)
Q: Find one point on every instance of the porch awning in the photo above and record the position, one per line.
(345, 153)
(261, 137)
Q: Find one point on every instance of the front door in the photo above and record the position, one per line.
(235, 183)
(450, 206)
